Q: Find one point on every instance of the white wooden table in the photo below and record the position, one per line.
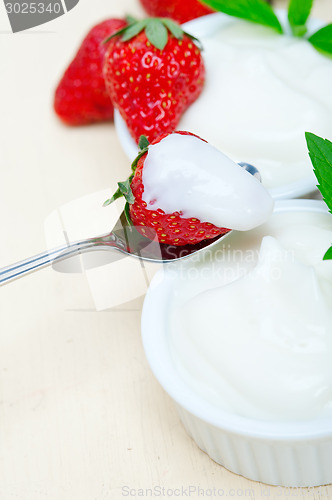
(81, 416)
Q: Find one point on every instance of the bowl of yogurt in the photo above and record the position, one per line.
(240, 336)
(263, 90)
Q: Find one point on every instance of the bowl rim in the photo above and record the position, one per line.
(154, 338)
(199, 27)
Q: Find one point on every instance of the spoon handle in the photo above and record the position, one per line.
(45, 259)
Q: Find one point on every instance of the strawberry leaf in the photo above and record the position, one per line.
(174, 28)
(138, 157)
(133, 30)
(322, 39)
(178, 32)
(130, 19)
(124, 188)
(328, 255)
(127, 214)
(115, 196)
(126, 191)
(257, 11)
(143, 142)
(156, 30)
(298, 13)
(156, 33)
(117, 33)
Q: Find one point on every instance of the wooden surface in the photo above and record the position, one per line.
(81, 416)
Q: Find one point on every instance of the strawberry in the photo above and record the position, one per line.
(178, 10)
(170, 228)
(153, 72)
(81, 97)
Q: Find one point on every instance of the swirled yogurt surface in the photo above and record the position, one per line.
(262, 92)
(251, 328)
(184, 174)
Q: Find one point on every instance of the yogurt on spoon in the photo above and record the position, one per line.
(183, 173)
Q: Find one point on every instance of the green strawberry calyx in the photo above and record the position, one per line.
(124, 188)
(156, 30)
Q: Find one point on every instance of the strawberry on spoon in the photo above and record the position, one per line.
(183, 191)
(153, 71)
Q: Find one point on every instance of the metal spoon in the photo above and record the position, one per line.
(123, 237)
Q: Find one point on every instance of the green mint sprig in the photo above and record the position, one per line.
(322, 39)
(259, 11)
(298, 13)
(320, 152)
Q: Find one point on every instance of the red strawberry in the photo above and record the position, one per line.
(172, 228)
(81, 97)
(178, 10)
(153, 73)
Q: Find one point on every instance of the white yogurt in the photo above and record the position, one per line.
(260, 345)
(185, 174)
(262, 92)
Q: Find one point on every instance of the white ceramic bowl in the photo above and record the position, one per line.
(201, 27)
(279, 453)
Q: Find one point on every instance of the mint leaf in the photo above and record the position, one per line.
(298, 13)
(156, 33)
(320, 152)
(257, 11)
(328, 255)
(322, 39)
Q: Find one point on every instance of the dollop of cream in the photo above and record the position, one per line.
(261, 346)
(262, 92)
(184, 174)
